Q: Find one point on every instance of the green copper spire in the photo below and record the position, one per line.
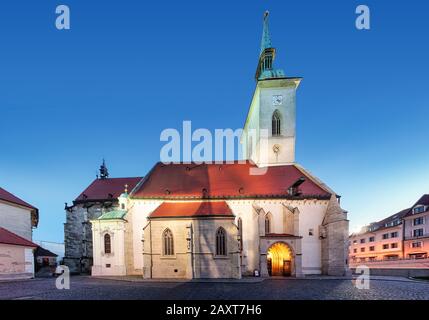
(267, 55)
(266, 38)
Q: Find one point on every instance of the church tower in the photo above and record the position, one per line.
(269, 132)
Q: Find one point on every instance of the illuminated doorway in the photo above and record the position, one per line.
(279, 260)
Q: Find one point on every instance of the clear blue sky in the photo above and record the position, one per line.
(129, 69)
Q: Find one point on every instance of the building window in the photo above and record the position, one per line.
(221, 242)
(168, 243)
(372, 248)
(394, 246)
(371, 239)
(268, 224)
(419, 209)
(394, 234)
(385, 246)
(362, 240)
(354, 250)
(123, 206)
(385, 236)
(362, 249)
(107, 244)
(311, 232)
(418, 244)
(276, 124)
(354, 241)
(418, 221)
(418, 233)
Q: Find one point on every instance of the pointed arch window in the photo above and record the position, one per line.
(168, 243)
(221, 242)
(276, 124)
(268, 223)
(107, 243)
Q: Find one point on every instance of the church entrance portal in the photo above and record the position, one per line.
(279, 260)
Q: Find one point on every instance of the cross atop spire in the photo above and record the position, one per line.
(266, 38)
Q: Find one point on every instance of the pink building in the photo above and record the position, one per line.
(416, 231)
(382, 240)
(17, 220)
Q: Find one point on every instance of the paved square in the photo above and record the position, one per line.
(87, 288)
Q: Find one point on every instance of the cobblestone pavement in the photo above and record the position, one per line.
(86, 288)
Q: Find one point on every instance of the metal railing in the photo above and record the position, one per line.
(425, 235)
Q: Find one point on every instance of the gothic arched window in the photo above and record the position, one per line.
(107, 243)
(268, 223)
(276, 124)
(168, 244)
(221, 242)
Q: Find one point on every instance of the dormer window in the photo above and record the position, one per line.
(419, 209)
(123, 206)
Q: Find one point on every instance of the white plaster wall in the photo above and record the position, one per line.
(116, 258)
(141, 209)
(260, 117)
(16, 219)
(311, 216)
(16, 262)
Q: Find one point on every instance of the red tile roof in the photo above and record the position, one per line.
(9, 197)
(219, 181)
(106, 189)
(192, 209)
(42, 252)
(8, 237)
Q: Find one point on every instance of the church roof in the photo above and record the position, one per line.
(9, 197)
(113, 215)
(7, 237)
(225, 181)
(192, 209)
(107, 189)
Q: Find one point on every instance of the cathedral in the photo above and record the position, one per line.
(265, 216)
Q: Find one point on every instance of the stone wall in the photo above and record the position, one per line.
(193, 259)
(78, 235)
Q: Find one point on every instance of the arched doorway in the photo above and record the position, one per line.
(280, 260)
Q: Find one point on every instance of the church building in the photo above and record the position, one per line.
(266, 215)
